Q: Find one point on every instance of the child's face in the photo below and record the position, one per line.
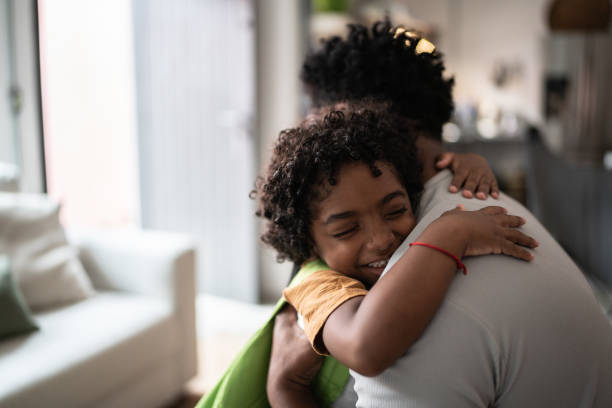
(362, 221)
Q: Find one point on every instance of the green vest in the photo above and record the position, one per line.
(244, 383)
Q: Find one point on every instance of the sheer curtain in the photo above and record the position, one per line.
(195, 83)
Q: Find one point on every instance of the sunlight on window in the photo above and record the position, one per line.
(89, 110)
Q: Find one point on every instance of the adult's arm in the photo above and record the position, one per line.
(293, 364)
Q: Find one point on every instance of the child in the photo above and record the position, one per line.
(344, 190)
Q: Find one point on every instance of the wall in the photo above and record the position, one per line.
(280, 51)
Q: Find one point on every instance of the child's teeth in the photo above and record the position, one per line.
(378, 264)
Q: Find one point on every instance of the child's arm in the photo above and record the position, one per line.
(368, 333)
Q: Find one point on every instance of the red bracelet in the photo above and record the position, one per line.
(460, 265)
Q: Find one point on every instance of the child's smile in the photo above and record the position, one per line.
(362, 221)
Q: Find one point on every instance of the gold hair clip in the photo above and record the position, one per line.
(402, 31)
(398, 31)
(424, 46)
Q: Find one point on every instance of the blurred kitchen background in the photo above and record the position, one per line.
(160, 114)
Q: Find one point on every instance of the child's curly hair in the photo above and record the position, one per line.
(385, 64)
(305, 163)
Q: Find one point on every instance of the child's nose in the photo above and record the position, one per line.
(382, 239)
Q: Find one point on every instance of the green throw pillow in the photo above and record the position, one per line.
(15, 317)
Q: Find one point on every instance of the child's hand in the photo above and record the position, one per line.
(491, 230)
(471, 171)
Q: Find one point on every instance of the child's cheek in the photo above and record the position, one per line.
(345, 258)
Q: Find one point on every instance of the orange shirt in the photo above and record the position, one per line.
(317, 296)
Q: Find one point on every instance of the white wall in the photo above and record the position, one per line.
(280, 51)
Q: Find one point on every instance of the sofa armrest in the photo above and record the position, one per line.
(139, 261)
(152, 263)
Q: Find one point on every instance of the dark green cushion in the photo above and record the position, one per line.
(15, 317)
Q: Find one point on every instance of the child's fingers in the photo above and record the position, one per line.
(470, 185)
(517, 251)
(494, 210)
(518, 237)
(468, 192)
(445, 159)
(494, 189)
(512, 221)
(457, 181)
(484, 188)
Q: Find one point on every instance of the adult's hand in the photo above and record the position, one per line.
(471, 171)
(293, 363)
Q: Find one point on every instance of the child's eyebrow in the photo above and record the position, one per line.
(392, 195)
(339, 216)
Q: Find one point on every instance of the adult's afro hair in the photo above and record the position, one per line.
(305, 163)
(384, 63)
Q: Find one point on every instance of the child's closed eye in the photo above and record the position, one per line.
(345, 233)
(396, 213)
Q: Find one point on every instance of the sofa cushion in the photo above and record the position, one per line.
(15, 317)
(45, 267)
(86, 351)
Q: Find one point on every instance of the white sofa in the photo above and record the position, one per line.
(133, 344)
